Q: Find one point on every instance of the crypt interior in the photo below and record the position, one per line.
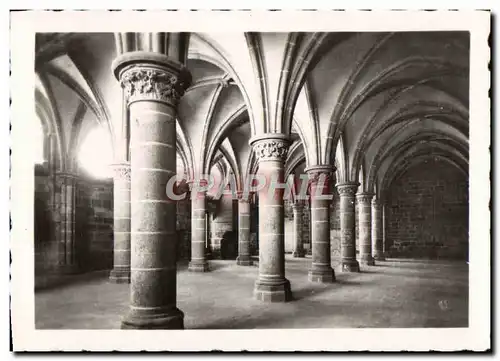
(383, 117)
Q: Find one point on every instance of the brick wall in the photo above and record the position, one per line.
(427, 213)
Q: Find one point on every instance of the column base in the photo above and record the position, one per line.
(244, 261)
(367, 261)
(118, 275)
(198, 266)
(171, 320)
(321, 275)
(273, 292)
(350, 266)
(299, 254)
(379, 257)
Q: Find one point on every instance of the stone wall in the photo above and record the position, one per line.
(335, 229)
(92, 242)
(223, 236)
(184, 229)
(95, 207)
(289, 227)
(427, 213)
(46, 245)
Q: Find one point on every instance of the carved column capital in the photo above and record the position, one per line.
(347, 189)
(151, 76)
(297, 207)
(376, 203)
(316, 171)
(121, 171)
(271, 146)
(245, 197)
(63, 178)
(364, 198)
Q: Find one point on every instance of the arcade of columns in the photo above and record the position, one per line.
(144, 225)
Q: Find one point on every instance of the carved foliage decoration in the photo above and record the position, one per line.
(152, 83)
(364, 199)
(347, 190)
(271, 149)
(122, 171)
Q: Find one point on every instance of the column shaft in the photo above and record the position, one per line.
(198, 232)
(347, 193)
(153, 85)
(377, 234)
(244, 258)
(121, 224)
(298, 251)
(365, 228)
(271, 285)
(321, 269)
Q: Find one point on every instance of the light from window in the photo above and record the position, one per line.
(96, 154)
(38, 142)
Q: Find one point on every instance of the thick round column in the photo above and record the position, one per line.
(153, 85)
(298, 251)
(321, 269)
(347, 192)
(271, 285)
(377, 231)
(365, 228)
(198, 231)
(121, 224)
(244, 258)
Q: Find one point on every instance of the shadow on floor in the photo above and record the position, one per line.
(267, 320)
(302, 293)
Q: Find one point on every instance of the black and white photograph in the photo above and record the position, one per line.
(260, 181)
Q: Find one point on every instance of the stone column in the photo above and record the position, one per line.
(65, 197)
(298, 251)
(365, 228)
(121, 224)
(198, 230)
(271, 285)
(153, 85)
(384, 232)
(244, 258)
(347, 192)
(377, 232)
(319, 181)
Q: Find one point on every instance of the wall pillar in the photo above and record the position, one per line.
(347, 192)
(365, 228)
(377, 231)
(298, 251)
(271, 285)
(198, 230)
(153, 85)
(319, 181)
(121, 224)
(65, 201)
(244, 258)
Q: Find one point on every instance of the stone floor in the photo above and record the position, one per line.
(395, 293)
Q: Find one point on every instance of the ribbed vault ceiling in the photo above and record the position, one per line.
(371, 101)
